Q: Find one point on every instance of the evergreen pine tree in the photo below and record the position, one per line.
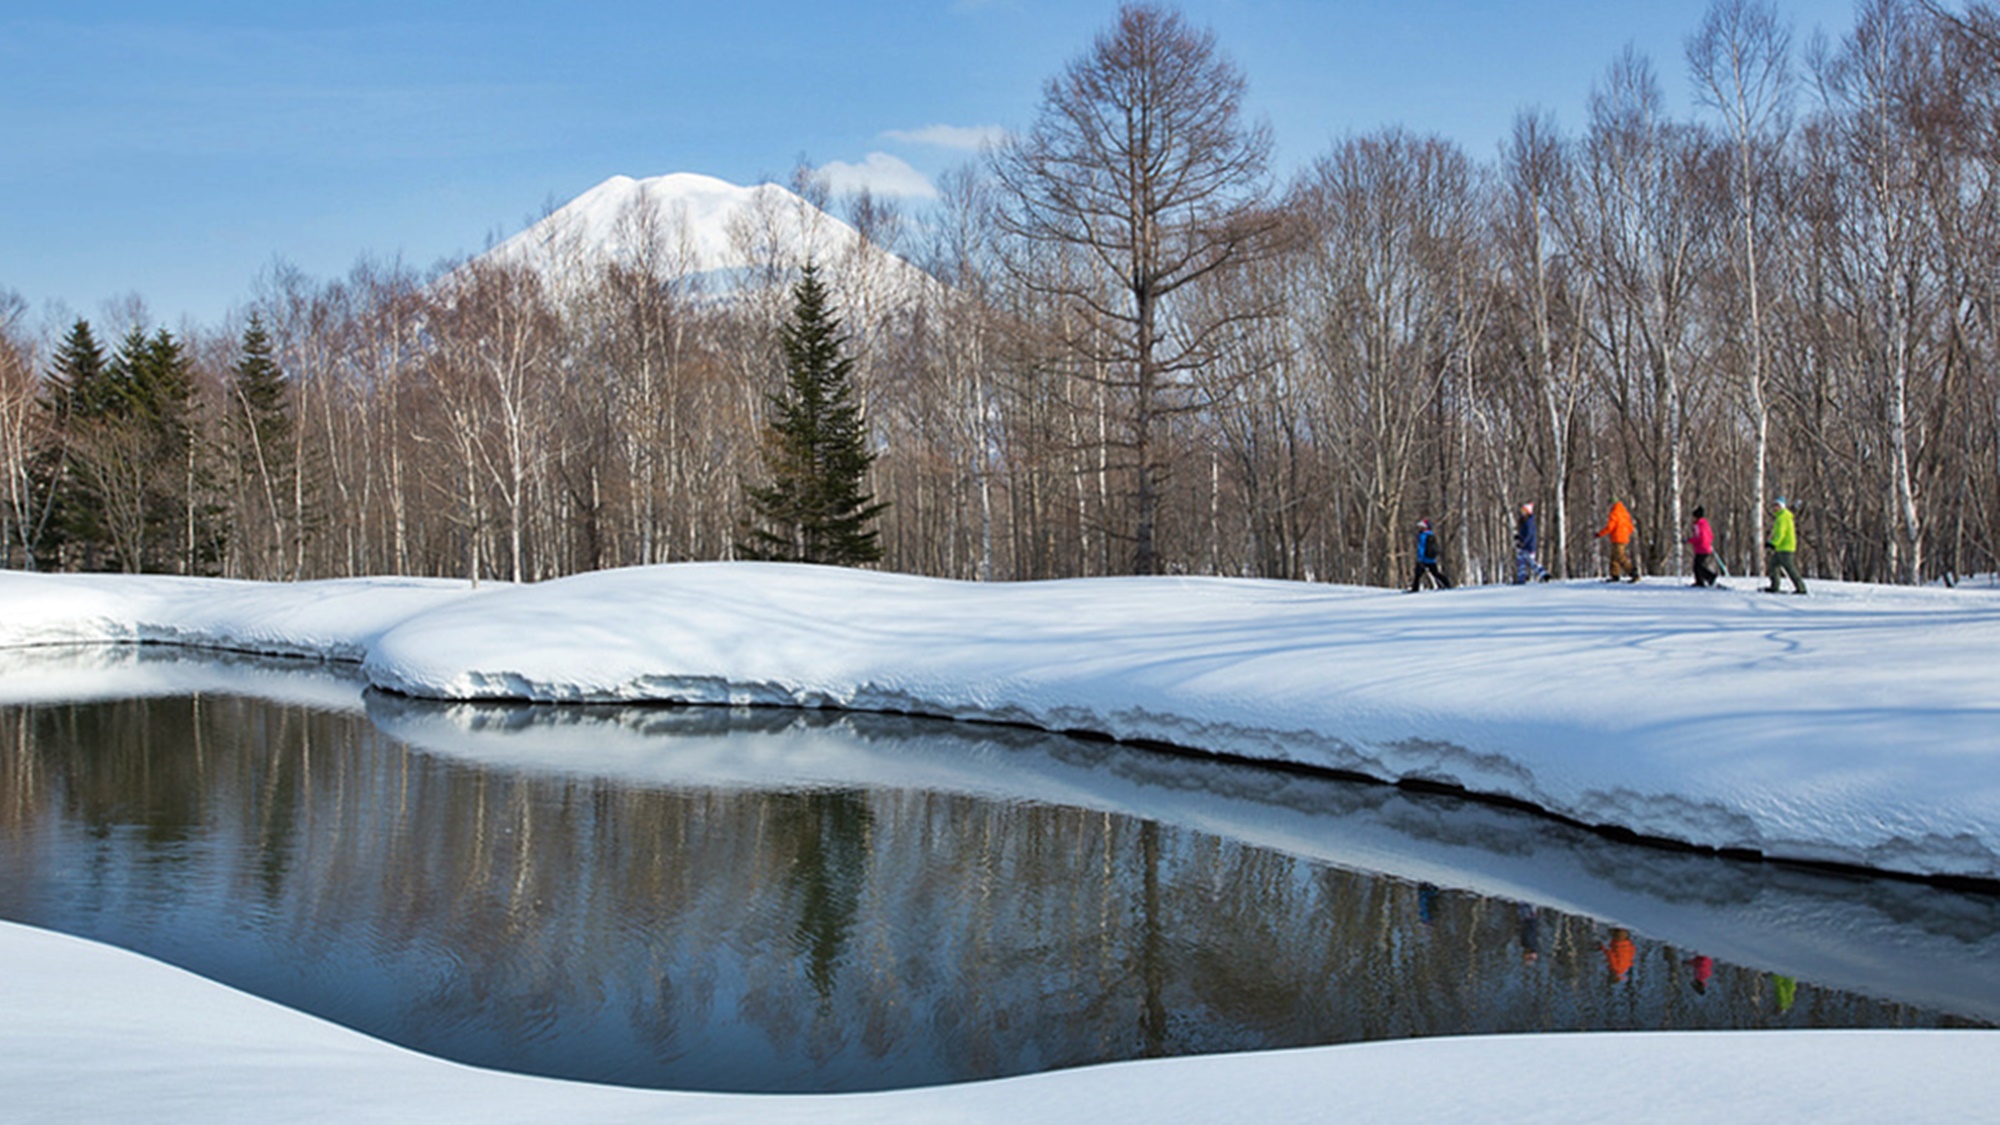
(815, 450)
(158, 381)
(136, 452)
(261, 423)
(81, 392)
(258, 384)
(79, 381)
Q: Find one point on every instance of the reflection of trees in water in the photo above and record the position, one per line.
(826, 834)
(577, 926)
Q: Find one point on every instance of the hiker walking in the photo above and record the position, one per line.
(1784, 548)
(1702, 542)
(1427, 559)
(1525, 565)
(1619, 527)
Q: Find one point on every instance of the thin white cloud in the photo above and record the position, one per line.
(878, 174)
(969, 138)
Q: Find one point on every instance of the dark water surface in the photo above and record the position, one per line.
(776, 901)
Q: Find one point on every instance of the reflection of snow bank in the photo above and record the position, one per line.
(1854, 726)
(90, 1033)
(1833, 931)
(82, 673)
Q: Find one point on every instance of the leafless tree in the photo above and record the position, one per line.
(637, 319)
(20, 436)
(1885, 278)
(1142, 162)
(491, 367)
(1741, 62)
(1536, 203)
(1389, 219)
(1646, 233)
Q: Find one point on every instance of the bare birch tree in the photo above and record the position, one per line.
(1885, 273)
(1741, 63)
(1537, 197)
(1647, 235)
(20, 438)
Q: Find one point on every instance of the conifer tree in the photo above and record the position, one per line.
(130, 439)
(81, 392)
(157, 380)
(815, 450)
(179, 482)
(260, 421)
(259, 385)
(79, 381)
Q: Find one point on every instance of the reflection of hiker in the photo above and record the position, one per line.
(1784, 549)
(1787, 989)
(1531, 932)
(1702, 541)
(1427, 897)
(1619, 527)
(1704, 970)
(1427, 558)
(1525, 565)
(1618, 955)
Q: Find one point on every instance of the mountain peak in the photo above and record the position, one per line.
(691, 226)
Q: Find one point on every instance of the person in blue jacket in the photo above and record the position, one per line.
(1427, 558)
(1526, 566)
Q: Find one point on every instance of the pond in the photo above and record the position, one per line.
(776, 901)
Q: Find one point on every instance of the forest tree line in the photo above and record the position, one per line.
(1790, 293)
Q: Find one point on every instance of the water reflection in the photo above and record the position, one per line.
(781, 901)
(1888, 938)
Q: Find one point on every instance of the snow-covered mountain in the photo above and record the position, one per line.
(722, 237)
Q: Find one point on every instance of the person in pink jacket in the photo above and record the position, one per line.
(1703, 544)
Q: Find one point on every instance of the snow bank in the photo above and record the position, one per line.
(336, 619)
(1855, 726)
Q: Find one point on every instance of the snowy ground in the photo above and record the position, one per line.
(92, 1033)
(1857, 725)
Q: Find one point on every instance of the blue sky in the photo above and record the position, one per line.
(175, 150)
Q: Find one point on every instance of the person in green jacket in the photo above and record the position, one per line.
(1784, 548)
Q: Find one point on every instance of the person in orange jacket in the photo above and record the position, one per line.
(1620, 953)
(1619, 527)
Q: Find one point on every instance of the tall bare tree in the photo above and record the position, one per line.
(1536, 199)
(1886, 275)
(1741, 62)
(1142, 162)
(1647, 237)
(19, 436)
(1390, 218)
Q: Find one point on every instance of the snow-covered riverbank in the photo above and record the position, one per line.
(1854, 726)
